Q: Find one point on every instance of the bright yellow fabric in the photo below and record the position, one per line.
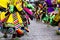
(2, 15)
(12, 1)
(18, 7)
(19, 18)
(10, 19)
(3, 3)
(58, 1)
(18, 4)
(57, 17)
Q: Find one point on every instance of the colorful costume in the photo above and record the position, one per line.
(15, 18)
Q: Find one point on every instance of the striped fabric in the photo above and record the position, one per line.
(17, 25)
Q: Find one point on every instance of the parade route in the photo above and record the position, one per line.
(40, 31)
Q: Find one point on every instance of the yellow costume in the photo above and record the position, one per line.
(3, 3)
(2, 15)
(57, 17)
(18, 4)
(12, 19)
(58, 1)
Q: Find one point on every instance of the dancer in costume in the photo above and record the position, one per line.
(3, 13)
(57, 21)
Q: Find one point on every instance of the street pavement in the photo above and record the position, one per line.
(40, 31)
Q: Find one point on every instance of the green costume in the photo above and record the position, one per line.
(11, 7)
(46, 18)
(51, 18)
